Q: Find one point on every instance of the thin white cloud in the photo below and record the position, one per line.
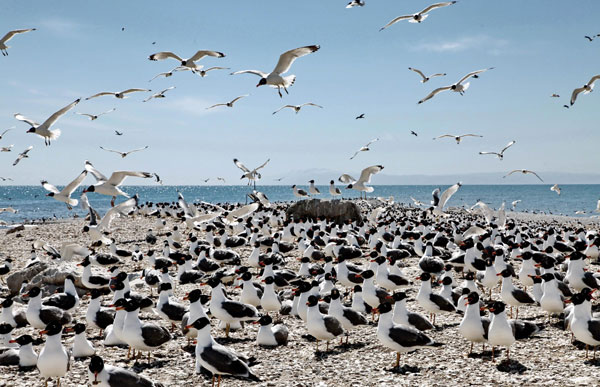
(62, 27)
(485, 43)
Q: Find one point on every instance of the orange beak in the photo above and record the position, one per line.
(43, 332)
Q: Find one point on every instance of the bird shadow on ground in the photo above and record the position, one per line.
(308, 338)
(322, 355)
(444, 326)
(233, 340)
(511, 367)
(592, 362)
(485, 355)
(139, 367)
(190, 349)
(405, 369)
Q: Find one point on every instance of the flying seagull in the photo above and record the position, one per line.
(355, 3)
(65, 194)
(3, 133)
(124, 154)
(203, 72)
(364, 148)
(170, 73)
(43, 130)
(590, 38)
(23, 155)
(190, 62)
(5, 178)
(514, 204)
(110, 186)
(158, 179)
(414, 133)
(524, 171)
(297, 107)
(555, 188)
(500, 154)
(457, 138)
(586, 89)
(554, 95)
(118, 133)
(221, 179)
(94, 117)
(458, 87)
(281, 178)
(9, 35)
(361, 116)
(275, 78)
(419, 16)
(425, 79)
(6, 148)
(253, 175)
(120, 94)
(228, 104)
(159, 95)
(206, 180)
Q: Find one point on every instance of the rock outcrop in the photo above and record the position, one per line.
(334, 210)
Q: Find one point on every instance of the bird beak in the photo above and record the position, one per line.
(43, 332)
(467, 302)
(419, 277)
(69, 329)
(119, 308)
(255, 322)
(12, 341)
(186, 297)
(567, 301)
(307, 303)
(498, 275)
(189, 326)
(203, 284)
(85, 191)
(491, 309)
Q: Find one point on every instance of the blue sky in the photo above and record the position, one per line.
(536, 46)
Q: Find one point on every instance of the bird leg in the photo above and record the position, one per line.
(492, 353)
(327, 347)
(285, 88)
(397, 360)
(471, 350)
(349, 335)
(508, 354)
(317, 341)
(58, 382)
(279, 91)
(586, 351)
(227, 330)
(511, 312)
(128, 351)
(517, 316)
(219, 381)
(213, 381)
(172, 327)
(112, 202)
(46, 383)
(149, 356)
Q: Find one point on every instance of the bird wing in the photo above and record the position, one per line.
(72, 186)
(167, 89)
(418, 203)
(355, 153)
(110, 150)
(346, 179)
(3, 133)
(507, 146)
(117, 177)
(101, 94)
(9, 35)
(575, 94)
(49, 187)
(396, 20)
(470, 135)
(158, 75)
(312, 104)
(418, 72)
(240, 165)
(133, 91)
(287, 58)
(262, 166)
(216, 68)
(202, 53)
(242, 212)
(255, 72)
(365, 175)
(372, 141)
(511, 172)
(183, 204)
(489, 153)
(533, 173)
(447, 194)
(164, 55)
(85, 114)
(238, 98)
(283, 107)
(53, 118)
(214, 106)
(444, 135)
(137, 150)
(473, 231)
(438, 75)
(437, 5)
(97, 175)
(469, 75)
(594, 79)
(433, 93)
(21, 117)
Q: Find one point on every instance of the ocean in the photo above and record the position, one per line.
(32, 203)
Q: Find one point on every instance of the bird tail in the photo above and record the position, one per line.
(436, 344)
(54, 134)
(73, 202)
(466, 86)
(253, 377)
(289, 80)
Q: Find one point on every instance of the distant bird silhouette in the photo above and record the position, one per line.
(414, 133)
(361, 116)
(118, 133)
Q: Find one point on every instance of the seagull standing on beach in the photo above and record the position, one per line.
(333, 190)
(419, 16)
(275, 78)
(458, 87)
(365, 177)
(23, 155)
(94, 117)
(364, 148)
(296, 107)
(111, 185)
(425, 79)
(457, 138)
(586, 89)
(312, 189)
(9, 35)
(523, 171)
(43, 130)
(190, 62)
(65, 195)
(124, 154)
(500, 154)
(299, 193)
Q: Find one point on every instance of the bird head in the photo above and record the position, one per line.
(51, 194)
(91, 188)
(349, 186)
(262, 82)
(31, 130)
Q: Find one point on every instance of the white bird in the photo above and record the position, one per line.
(160, 94)
(365, 177)
(111, 185)
(124, 154)
(333, 190)
(9, 35)
(120, 94)
(555, 188)
(419, 16)
(43, 130)
(523, 171)
(295, 107)
(23, 155)
(94, 117)
(65, 194)
(346, 179)
(170, 73)
(425, 79)
(203, 72)
(500, 154)
(417, 202)
(440, 202)
(457, 138)
(275, 78)
(300, 193)
(190, 62)
(364, 148)
(3, 133)
(586, 89)
(514, 204)
(7, 148)
(228, 104)
(251, 175)
(312, 189)
(355, 3)
(458, 87)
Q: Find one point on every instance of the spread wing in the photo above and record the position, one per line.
(396, 20)
(202, 53)
(117, 177)
(346, 179)
(372, 141)
(53, 118)
(216, 68)
(470, 135)
(447, 194)
(507, 146)
(283, 107)
(437, 5)
(536, 175)
(365, 175)
(573, 96)
(21, 117)
(242, 212)
(101, 94)
(489, 153)
(214, 106)
(238, 98)
(85, 114)
(255, 72)
(110, 150)
(469, 75)
(49, 187)
(183, 204)
(9, 35)
(72, 186)
(354, 155)
(287, 58)
(137, 150)
(438, 75)
(594, 79)
(312, 104)
(133, 91)
(240, 165)
(164, 55)
(444, 135)
(262, 165)
(96, 173)
(433, 93)
(418, 72)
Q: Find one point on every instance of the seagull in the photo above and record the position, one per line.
(23, 155)
(43, 130)
(3, 133)
(364, 148)
(514, 204)
(281, 178)
(159, 95)
(120, 94)
(361, 116)
(124, 154)
(221, 179)
(9, 35)
(202, 73)
(523, 171)
(190, 62)
(457, 138)
(458, 87)
(312, 189)
(93, 117)
(110, 186)
(440, 202)
(65, 194)
(419, 16)
(295, 107)
(5, 178)
(333, 190)
(566, 106)
(275, 78)
(104, 375)
(554, 95)
(586, 89)
(355, 3)
(590, 38)
(365, 177)
(555, 188)
(228, 104)
(425, 79)
(206, 180)
(118, 133)
(299, 193)
(170, 73)
(346, 179)
(417, 202)
(6, 148)
(250, 174)
(500, 154)
(414, 133)
(158, 179)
